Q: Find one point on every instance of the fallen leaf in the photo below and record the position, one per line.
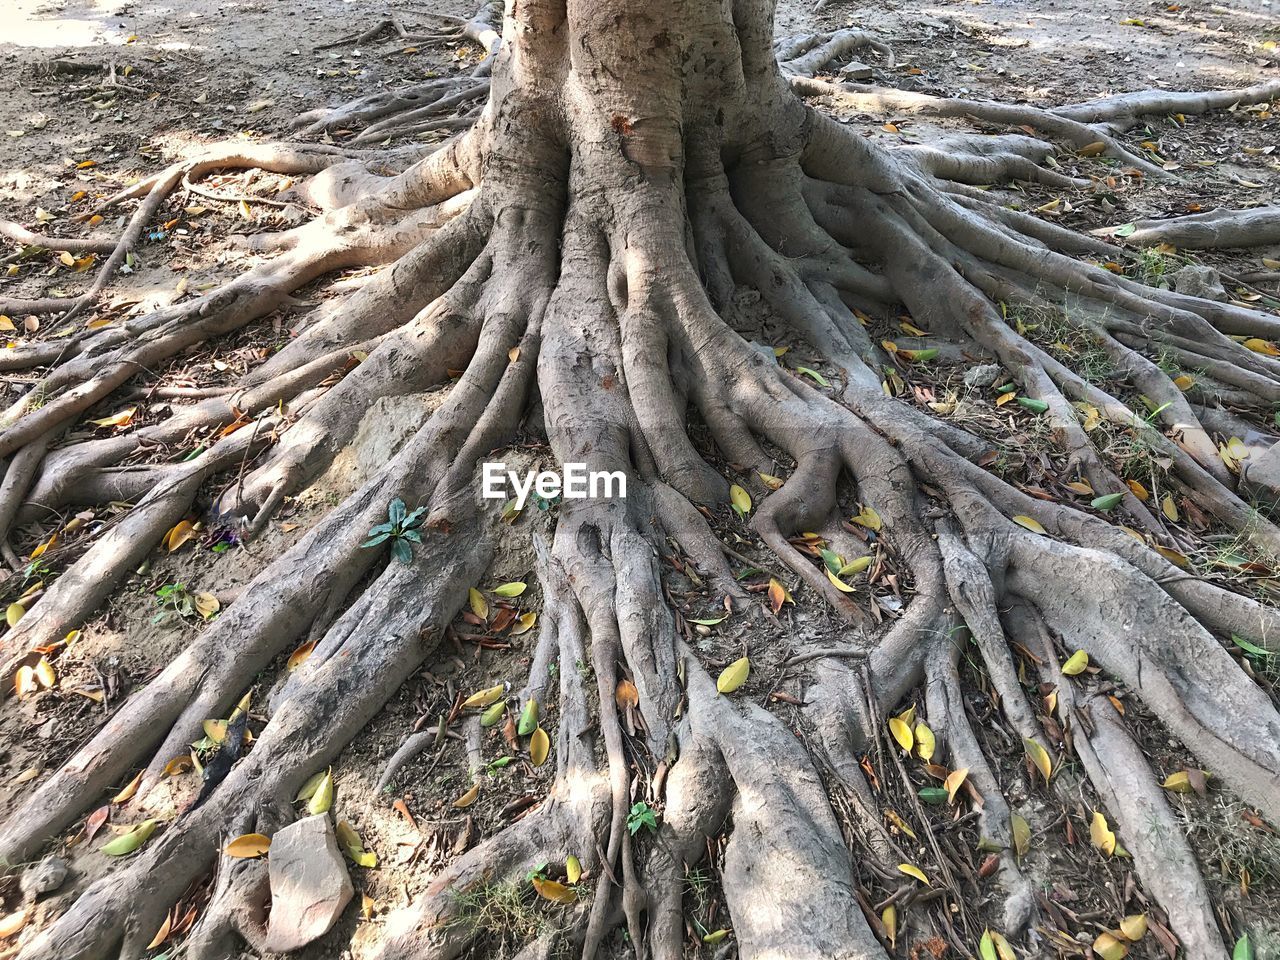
(1040, 757)
(539, 747)
(554, 891)
(127, 843)
(524, 624)
(1107, 947)
(528, 722)
(125, 795)
(954, 781)
(13, 613)
(925, 741)
(1101, 835)
(778, 595)
(734, 675)
(479, 605)
(1076, 664)
(322, 799)
(867, 517)
(468, 798)
(1021, 834)
(509, 590)
(248, 846)
(626, 695)
(1169, 508)
(121, 419)
(207, 605)
(573, 868)
(482, 698)
(1031, 524)
(913, 871)
(1134, 926)
(740, 499)
(902, 733)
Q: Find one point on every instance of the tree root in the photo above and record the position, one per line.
(581, 278)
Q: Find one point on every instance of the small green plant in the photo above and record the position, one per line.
(401, 529)
(641, 815)
(174, 598)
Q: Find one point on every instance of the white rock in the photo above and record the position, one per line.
(309, 884)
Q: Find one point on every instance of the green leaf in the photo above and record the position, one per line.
(510, 590)
(401, 550)
(986, 948)
(396, 511)
(707, 623)
(1127, 230)
(818, 378)
(1248, 647)
(832, 560)
(935, 796)
(1243, 949)
(1032, 404)
(322, 799)
(528, 718)
(127, 843)
(1108, 502)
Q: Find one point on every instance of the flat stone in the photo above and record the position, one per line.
(1197, 281)
(44, 877)
(856, 70)
(1260, 476)
(983, 375)
(310, 886)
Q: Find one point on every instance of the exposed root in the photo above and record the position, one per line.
(571, 265)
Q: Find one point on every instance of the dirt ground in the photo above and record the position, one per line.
(97, 94)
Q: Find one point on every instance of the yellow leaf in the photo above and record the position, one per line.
(1180, 782)
(855, 566)
(1092, 149)
(539, 747)
(554, 891)
(1021, 834)
(510, 590)
(1081, 487)
(911, 329)
(838, 583)
(6, 324)
(955, 779)
(913, 871)
(1107, 947)
(1134, 926)
(778, 595)
(740, 499)
(573, 868)
(183, 531)
(893, 817)
(178, 765)
(1030, 523)
(1076, 664)
(24, 682)
(479, 605)
(14, 613)
(66, 259)
(482, 698)
(1258, 345)
(121, 419)
(245, 211)
(734, 675)
(715, 936)
(1138, 490)
(163, 933)
(1040, 757)
(925, 741)
(215, 730)
(468, 798)
(1100, 835)
(247, 846)
(300, 655)
(45, 674)
(1003, 950)
(125, 795)
(322, 799)
(770, 481)
(1169, 508)
(889, 917)
(44, 547)
(524, 624)
(206, 605)
(1184, 382)
(868, 518)
(902, 733)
